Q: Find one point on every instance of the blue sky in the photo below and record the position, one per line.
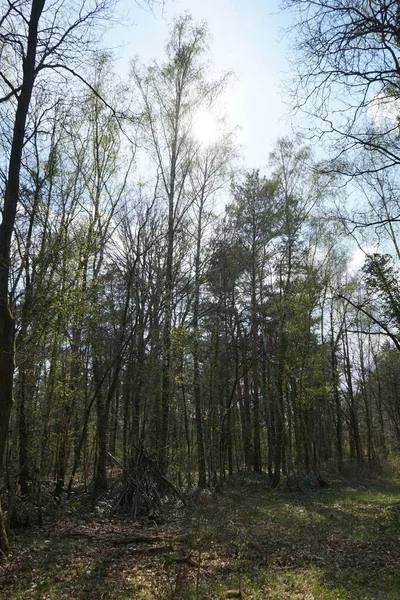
(247, 38)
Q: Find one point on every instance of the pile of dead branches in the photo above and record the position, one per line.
(142, 488)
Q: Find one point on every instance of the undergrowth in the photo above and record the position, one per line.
(340, 542)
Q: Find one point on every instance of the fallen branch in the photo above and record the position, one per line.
(131, 539)
(151, 550)
(148, 539)
(185, 560)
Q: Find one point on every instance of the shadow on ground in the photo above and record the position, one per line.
(335, 543)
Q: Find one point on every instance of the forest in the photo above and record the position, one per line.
(190, 349)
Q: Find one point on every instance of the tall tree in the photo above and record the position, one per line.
(36, 37)
(170, 94)
(255, 221)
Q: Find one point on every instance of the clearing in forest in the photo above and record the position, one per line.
(341, 542)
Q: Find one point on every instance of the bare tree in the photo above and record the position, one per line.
(346, 62)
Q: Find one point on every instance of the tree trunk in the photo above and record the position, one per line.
(11, 196)
(338, 407)
(167, 345)
(201, 461)
(254, 369)
(244, 404)
(354, 431)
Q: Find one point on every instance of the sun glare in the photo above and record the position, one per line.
(205, 127)
(383, 107)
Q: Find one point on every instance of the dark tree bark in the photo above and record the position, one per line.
(11, 196)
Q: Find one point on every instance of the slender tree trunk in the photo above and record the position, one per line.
(379, 408)
(279, 456)
(213, 406)
(11, 195)
(355, 438)
(163, 441)
(338, 406)
(368, 409)
(201, 461)
(103, 405)
(167, 344)
(270, 414)
(254, 372)
(244, 403)
(63, 450)
(23, 447)
(100, 477)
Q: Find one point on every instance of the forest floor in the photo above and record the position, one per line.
(340, 542)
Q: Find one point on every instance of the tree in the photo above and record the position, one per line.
(299, 193)
(209, 174)
(170, 94)
(347, 69)
(255, 219)
(36, 37)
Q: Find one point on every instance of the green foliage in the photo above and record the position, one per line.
(381, 277)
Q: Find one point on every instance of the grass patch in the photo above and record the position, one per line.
(336, 543)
